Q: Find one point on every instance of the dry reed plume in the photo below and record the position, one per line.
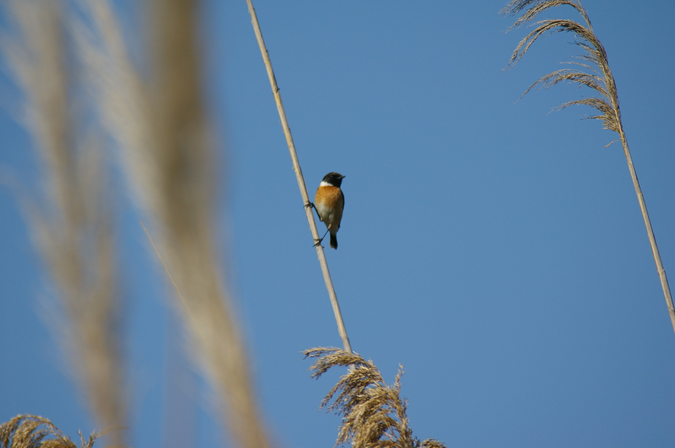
(71, 220)
(183, 169)
(31, 431)
(374, 414)
(593, 72)
(170, 162)
(161, 132)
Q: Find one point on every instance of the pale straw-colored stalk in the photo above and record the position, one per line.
(301, 180)
(593, 72)
(162, 133)
(170, 162)
(72, 221)
(185, 162)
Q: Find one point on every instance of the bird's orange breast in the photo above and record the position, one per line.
(329, 203)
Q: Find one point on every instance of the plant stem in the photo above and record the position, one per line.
(614, 98)
(301, 180)
(650, 232)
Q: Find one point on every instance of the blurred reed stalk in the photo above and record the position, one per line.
(593, 72)
(71, 222)
(162, 133)
(168, 155)
(31, 431)
(185, 163)
(373, 413)
(301, 180)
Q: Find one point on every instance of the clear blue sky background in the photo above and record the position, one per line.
(495, 250)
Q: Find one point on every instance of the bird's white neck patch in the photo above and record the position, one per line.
(325, 184)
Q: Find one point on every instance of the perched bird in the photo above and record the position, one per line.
(329, 203)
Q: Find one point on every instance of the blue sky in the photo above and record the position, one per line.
(492, 248)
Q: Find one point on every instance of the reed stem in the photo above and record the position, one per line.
(301, 180)
(650, 232)
(600, 80)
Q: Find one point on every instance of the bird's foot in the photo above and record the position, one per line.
(317, 242)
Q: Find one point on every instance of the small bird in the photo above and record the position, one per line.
(329, 203)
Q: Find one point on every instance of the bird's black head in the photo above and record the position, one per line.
(333, 179)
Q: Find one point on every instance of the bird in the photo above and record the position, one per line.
(329, 203)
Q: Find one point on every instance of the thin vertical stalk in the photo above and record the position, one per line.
(650, 232)
(301, 180)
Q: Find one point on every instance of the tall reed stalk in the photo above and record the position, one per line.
(159, 124)
(593, 72)
(169, 157)
(72, 220)
(301, 180)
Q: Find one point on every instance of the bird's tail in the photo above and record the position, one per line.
(333, 241)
